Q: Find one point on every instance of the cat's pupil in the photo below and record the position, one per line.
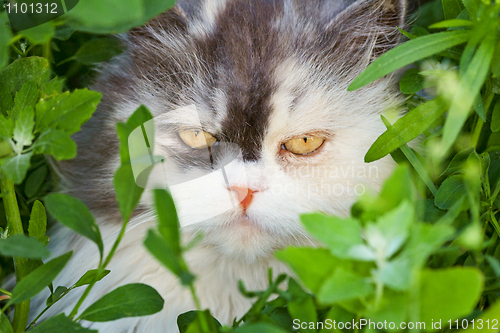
(196, 133)
(305, 140)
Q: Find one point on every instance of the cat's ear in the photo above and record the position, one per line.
(368, 26)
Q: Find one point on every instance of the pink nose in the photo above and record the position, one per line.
(245, 195)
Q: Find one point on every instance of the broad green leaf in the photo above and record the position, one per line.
(23, 247)
(406, 129)
(5, 326)
(301, 306)
(491, 315)
(26, 97)
(495, 63)
(479, 107)
(448, 294)
(5, 148)
(495, 119)
(41, 34)
(22, 70)
(408, 53)
(54, 86)
(98, 50)
(344, 286)
(16, 167)
(312, 266)
(73, 213)
(396, 223)
(450, 191)
(6, 127)
(424, 240)
(38, 223)
(23, 128)
(56, 143)
(39, 279)
(131, 300)
(127, 192)
(190, 320)
(168, 223)
(396, 274)
(337, 234)
(67, 111)
(393, 307)
(397, 188)
(35, 180)
(411, 82)
(469, 87)
(158, 247)
(458, 161)
(63, 32)
(452, 8)
(113, 17)
(60, 324)
(90, 276)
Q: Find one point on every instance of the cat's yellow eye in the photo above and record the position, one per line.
(303, 145)
(197, 139)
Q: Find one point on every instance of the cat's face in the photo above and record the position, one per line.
(253, 116)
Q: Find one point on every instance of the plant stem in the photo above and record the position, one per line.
(201, 316)
(5, 292)
(15, 227)
(102, 266)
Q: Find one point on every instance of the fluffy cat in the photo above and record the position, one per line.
(265, 83)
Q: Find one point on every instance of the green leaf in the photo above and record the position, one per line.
(112, 16)
(98, 50)
(495, 63)
(41, 34)
(55, 295)
(411, 82)
(448, 294)
(127, 192)
(302, 305)
(23, 128)
(73, 213)
(396, 274)
(259, 327)
(450, 191)
(458, 161)
(56, 143)
(186, 320)
(5, 36)
(312, 266)
(139, 117)
(424, 240)
(472, 7)
(39, 279)
(16, 167)
(406, 129)
(5, 326)
(495, 119)
(451, 24)
(26, 97)
(168, 223)
(6, 127)
(131, 300)
(469, 87)
(67, 111)
(337, 234)
(408, 53)
(60, 324)
(491, 315)
(23, 247)
(452, 8)
(22, 70)
(164, 253)
(344, 286)
(35, 180)
(38, 223)
(54, 86)
(90, 276)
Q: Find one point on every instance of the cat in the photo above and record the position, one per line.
(263, 85)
